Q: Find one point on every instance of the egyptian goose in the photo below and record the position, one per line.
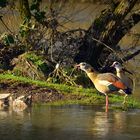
(104, 82)
(125, 78)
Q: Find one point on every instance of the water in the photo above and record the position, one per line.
(74, 122)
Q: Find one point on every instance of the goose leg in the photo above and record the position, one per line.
(124, 101)
(106, 103)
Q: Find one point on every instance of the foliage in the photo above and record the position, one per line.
(3, 3)
(39, 62)
(10, 48)
(7, 39)
(31, 65)
(35, 10)
(42, 34)
(24, 28)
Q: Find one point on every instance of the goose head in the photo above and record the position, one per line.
(117, 65)
(85, 67)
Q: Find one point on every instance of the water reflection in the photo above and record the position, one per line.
(69, 122)
(100, 125)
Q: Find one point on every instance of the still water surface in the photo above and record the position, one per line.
(74, 122)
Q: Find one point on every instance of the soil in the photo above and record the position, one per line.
(39, 94)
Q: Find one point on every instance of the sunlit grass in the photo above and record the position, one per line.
(60, 87)
(89, 95)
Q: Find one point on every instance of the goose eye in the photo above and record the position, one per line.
(83, 64)
(116, 63)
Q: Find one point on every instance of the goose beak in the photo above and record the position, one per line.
(112, 66)
(127, 71)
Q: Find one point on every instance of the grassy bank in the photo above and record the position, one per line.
(60, 87)
(63, 94)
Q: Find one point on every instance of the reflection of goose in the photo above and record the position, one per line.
(4, 99)
(105, 83)
(101, 124)
(19, 103)
(121, 73)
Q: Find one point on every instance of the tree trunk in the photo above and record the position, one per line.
(104, 29)
(130, 56)
(125, 27)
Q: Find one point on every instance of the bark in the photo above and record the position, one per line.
(104, 28)
(130, 56)
(113, 57)
(125, 27)
(117, 16)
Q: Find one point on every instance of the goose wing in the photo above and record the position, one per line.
(111, 80)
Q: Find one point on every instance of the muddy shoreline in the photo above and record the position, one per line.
(39, 94)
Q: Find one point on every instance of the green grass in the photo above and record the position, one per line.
(90, 95)
(61, 87)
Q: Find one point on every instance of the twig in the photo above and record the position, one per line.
(73, 30)
(103, 44)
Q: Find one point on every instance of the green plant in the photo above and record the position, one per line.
(39, 62)
(8, 39)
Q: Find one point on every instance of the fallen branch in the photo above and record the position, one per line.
(130, 56)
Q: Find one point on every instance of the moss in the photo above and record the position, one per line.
(31, 65)
(72, 95)
(38, 61)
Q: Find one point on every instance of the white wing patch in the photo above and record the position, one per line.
(104, 82)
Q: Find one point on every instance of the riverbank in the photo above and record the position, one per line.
(58, 94)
